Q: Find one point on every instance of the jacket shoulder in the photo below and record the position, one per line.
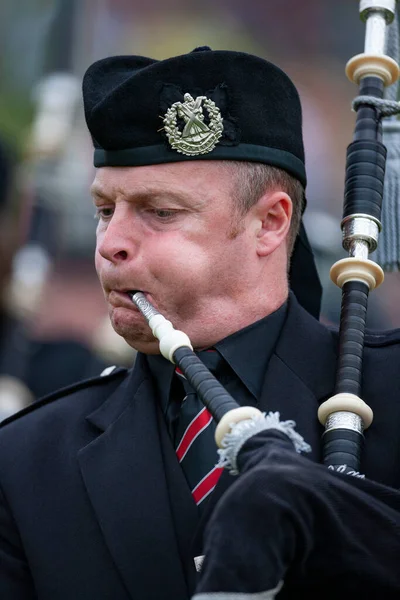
(109, 377)
(376, 339)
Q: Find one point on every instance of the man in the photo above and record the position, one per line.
(199, 192)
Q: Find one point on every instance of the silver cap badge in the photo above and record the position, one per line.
(197, 137)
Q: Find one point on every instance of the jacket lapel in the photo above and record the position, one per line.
(301, 374)
(124, 474)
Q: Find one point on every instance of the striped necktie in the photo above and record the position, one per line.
(194, 441)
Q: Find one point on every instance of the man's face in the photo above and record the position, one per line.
(169, 231)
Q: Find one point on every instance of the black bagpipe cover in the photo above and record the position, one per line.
(293, 524)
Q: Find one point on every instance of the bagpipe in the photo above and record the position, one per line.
(288, 527)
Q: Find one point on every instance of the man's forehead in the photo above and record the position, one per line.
(181, 177)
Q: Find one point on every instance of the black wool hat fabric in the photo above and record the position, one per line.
(221, 105)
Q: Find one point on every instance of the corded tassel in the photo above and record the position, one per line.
(242, 431)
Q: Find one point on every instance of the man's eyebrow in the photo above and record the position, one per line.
(144, 194)
(97, 191)
(158, 196)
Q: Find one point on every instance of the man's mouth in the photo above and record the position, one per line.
(126, 291)
(131, 294)
(122, 297)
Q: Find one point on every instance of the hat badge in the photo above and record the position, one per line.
(197, 136)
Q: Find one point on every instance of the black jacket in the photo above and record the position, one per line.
(93, 501)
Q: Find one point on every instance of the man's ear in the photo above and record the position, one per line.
(273, 212)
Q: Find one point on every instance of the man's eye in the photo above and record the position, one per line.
(164, 213)
(103, 213)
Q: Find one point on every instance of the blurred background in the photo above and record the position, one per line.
(48, 281)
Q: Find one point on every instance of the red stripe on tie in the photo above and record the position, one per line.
(199, 423)
(206, 485)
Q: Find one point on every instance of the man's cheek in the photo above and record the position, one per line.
(97, 261)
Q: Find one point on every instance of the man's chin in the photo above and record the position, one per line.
(135, 331)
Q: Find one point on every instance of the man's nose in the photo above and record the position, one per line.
(116, 243)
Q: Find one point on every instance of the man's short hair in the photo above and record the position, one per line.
(252, 180)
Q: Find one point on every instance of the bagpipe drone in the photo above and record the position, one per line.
(289, 527)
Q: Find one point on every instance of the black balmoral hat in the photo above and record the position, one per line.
(204, 105)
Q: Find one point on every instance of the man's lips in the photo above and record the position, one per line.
(121, 298)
